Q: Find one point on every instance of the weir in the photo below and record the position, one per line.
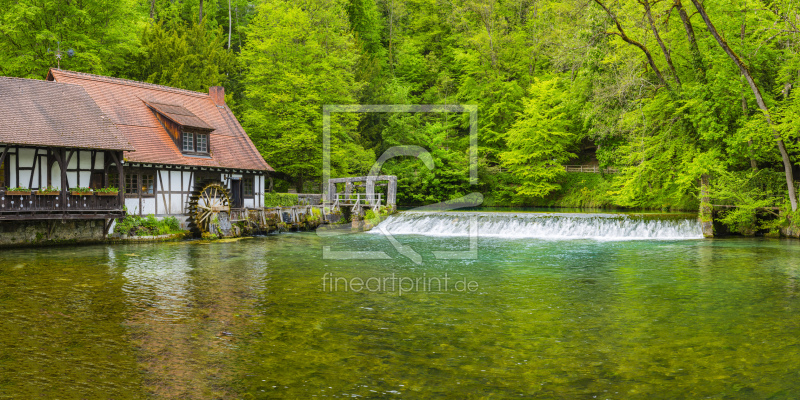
(554, 226)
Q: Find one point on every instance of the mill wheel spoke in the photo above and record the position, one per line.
(211, 199)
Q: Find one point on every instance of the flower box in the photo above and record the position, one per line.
(107, 193)
(18, 193)
(76, 193)
(47, 193)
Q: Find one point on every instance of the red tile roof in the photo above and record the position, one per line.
(124, 102)
(40, 113)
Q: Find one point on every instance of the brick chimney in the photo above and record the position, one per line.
(217, 94)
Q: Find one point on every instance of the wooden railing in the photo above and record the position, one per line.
(34, 206)
(590, 168)
(358, 200)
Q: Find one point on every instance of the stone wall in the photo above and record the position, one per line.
(28, 233)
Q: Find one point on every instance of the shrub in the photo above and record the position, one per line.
(172, 223)
(280, 199)
(147, 226)
(315, 216)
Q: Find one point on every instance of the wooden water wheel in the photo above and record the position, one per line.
(206, 203)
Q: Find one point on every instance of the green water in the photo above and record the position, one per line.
(250, 319)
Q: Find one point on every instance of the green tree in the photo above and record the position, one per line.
(299, 57)
(541, 139)
(101, 34)
(187, 56)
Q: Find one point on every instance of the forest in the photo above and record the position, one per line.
(667, 93)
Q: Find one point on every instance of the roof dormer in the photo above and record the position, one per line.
(189, 132)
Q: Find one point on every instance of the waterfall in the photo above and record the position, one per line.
(554, 226)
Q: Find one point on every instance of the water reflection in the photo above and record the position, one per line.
(157, 282)
(551, 319)
(192, 305)
(61, 324)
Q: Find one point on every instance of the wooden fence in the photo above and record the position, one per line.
(590, 168)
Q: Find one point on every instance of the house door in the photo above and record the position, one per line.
(236, 193)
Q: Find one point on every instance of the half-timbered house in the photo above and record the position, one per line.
(180, 138)
(54, 138)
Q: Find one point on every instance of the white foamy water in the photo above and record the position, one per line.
(541, 225)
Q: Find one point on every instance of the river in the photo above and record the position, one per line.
(558, 308)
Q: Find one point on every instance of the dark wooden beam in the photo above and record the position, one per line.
(116, 156)
(33, 168)
(3, 157)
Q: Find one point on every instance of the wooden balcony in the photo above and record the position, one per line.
(60, 206)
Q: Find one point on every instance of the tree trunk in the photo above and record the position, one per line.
(787, 163)
(238, 35)
(230, 24)
(487, 17)
(697, 57)
(746, 113)
(706, 209)
(664, 49)
(200, 20)
(628, 40)
(391, 36)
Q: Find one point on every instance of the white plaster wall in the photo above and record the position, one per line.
(41, 174)
(24, 178)
(170, 204)
(174, 182)
(72, 178)
(261, 182)
(55, 173)
(73, 162)
(132, 204)
(175, 177)
(25, 160)
(188, 181)
(86, 159)
(86, 178)
(99, 162)
(188, 186)
(26, 157)
(148, 205)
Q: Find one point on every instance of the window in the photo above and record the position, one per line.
(113, 180)
(247, 184)
(202, 143)
(188, 141)
(195, 142)
(136, 184)
(96, 180)
(148, 184)
(131, 183)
